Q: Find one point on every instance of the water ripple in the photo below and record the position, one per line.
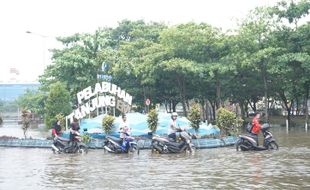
(220, 168)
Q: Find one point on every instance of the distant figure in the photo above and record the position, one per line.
(173, 126)
(56, 131)
(74, 129)
(124, 128)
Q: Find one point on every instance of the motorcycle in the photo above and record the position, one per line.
(63, 145)
(247, 142)
(117, 145)
(166, 145)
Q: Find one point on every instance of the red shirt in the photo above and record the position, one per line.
(55, 132)
(256, 125)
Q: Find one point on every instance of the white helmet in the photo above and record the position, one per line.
(174, 114)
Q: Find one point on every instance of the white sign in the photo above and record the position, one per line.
(104, 94)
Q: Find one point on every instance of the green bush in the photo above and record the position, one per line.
(85, 138)
(107, 123)
(152, 120)
(1, 120)
(228, 122)
(194, 116)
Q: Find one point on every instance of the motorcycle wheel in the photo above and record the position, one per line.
(134, 148)
(272, 146)
(83, 149)
(238, 144)
(190, 150)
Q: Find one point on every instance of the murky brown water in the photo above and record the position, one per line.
(219, 168)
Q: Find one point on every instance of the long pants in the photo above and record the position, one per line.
(255, 137)
(173, 136)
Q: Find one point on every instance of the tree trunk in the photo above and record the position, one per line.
(202, 102)
(25, 131)
(187, 104)
(208, 110)
(218, 93)
(144, 96)
(306, 110)
(297, 107)
(182, 93)
(246, 110)
(174, 106)
(287, 106)
(252, 106)
(213, 110)
(242, 109)
(166, 105)
(266, 97)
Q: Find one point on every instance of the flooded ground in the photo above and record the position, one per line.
(219, 168)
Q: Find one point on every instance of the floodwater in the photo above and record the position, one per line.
(218, 168)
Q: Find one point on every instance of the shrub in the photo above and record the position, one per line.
(1, 120)
(152, 120)
(228, 122)
(107, 123)
(85, 138)
(194, 116)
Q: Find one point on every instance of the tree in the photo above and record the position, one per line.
(179, 70)
(57, 102)
(26, 121)
(293, 63)
(33, 100)
(256, 47)
(202, 45)
(78, 64)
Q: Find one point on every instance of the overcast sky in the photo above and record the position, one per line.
(46, 19)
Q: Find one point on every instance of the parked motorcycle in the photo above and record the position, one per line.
(117, 145)
(247, 142)
(166, 145)
(63, 145)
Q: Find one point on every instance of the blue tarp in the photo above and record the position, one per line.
(139, 127)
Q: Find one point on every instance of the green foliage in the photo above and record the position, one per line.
(291, 11)
(85, 138)
(152, 120)
(33, 100)
(57, 102)
(60, 117)
(107, 123)
(194, 116)
(175, 64)
(228, 122)
(8, 106)
(1, 120)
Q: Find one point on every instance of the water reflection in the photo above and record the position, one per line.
(288, 168)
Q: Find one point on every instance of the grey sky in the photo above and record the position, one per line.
(51, 18)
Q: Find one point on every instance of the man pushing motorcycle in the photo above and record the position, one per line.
(256, 126)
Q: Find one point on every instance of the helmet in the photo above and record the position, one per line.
(174, 114)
